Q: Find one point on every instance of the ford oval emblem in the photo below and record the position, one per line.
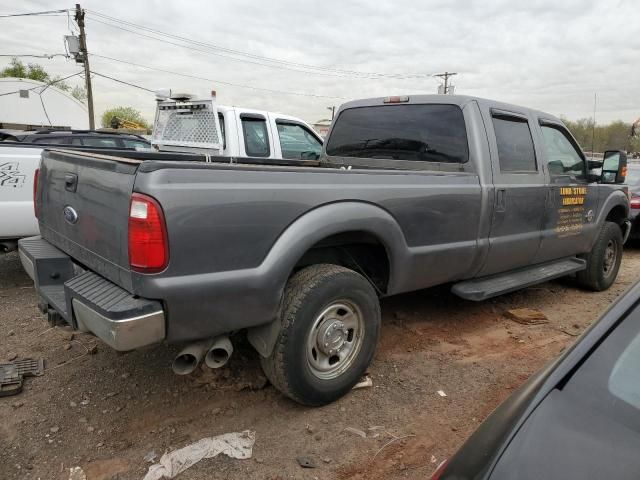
(70, 215)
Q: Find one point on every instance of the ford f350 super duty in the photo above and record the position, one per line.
(409, 192)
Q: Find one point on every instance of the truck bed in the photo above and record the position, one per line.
(231, 225)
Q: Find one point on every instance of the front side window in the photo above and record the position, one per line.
(256, 138)
(515, 145)
(563, 157)
(428, 133)
(297, 142)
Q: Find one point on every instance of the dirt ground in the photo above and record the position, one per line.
(105, 411)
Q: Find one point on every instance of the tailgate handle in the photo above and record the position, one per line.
(500, 200)
(70, 182)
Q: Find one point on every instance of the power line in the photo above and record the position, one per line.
(209, 52)
(32, 14)
(255, 59)
(214, 80)
(43, 55)
(122, 81)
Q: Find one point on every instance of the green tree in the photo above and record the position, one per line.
(613, 136)
(79, 93)
(33, 71)
(123, 113)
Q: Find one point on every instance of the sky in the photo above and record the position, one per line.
(553, 55)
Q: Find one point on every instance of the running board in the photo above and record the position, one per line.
(479, 289)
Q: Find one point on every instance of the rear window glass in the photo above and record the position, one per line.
(256, 138)
(515, 145)
(428, 133)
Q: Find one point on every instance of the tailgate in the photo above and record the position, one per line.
(83, 202)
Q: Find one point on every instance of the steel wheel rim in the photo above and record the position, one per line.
(610, 257)
(335, 339)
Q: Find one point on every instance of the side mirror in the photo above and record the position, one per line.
(614, 167)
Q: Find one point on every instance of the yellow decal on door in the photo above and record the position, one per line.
(570, 211)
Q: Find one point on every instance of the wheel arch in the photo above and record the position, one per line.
(343, 233)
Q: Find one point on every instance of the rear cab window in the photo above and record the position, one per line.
(256, 135)
(413, 132)
(516, 152)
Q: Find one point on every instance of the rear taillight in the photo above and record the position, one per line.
(35, 191)
(436, 475)
(635, 203)
(148, 248)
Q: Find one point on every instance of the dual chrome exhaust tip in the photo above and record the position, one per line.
(215, 353)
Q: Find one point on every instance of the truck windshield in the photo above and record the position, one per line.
(428, 133)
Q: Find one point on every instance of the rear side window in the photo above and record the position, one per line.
(52, 140)
(256, 138)
(515, 145)
(428, 133)
(99, 142)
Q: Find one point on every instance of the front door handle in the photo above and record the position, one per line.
(501, 204)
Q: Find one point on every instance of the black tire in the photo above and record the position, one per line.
(602, 270)
(310, 292)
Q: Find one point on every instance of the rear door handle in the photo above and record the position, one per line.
(70, 182)
(501, 204)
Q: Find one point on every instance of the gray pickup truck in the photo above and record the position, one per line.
(410, 192)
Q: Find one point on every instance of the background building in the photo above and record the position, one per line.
(26, 103)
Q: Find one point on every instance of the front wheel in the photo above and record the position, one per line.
(604, 260)
(330, 323)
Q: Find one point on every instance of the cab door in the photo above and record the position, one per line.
(570, 219)
(520, 192)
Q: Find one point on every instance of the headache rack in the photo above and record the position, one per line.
(183, 124)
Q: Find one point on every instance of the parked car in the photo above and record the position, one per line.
(578, 418)
(410, 192)
(78, 138)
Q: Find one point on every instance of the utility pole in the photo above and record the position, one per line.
(333, 111)
(446, 76)
(84, 58)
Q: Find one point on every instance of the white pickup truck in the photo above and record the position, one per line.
(182, 125)
(17, 219)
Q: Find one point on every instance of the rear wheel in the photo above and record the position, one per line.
(330, 323)
(604, 260)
